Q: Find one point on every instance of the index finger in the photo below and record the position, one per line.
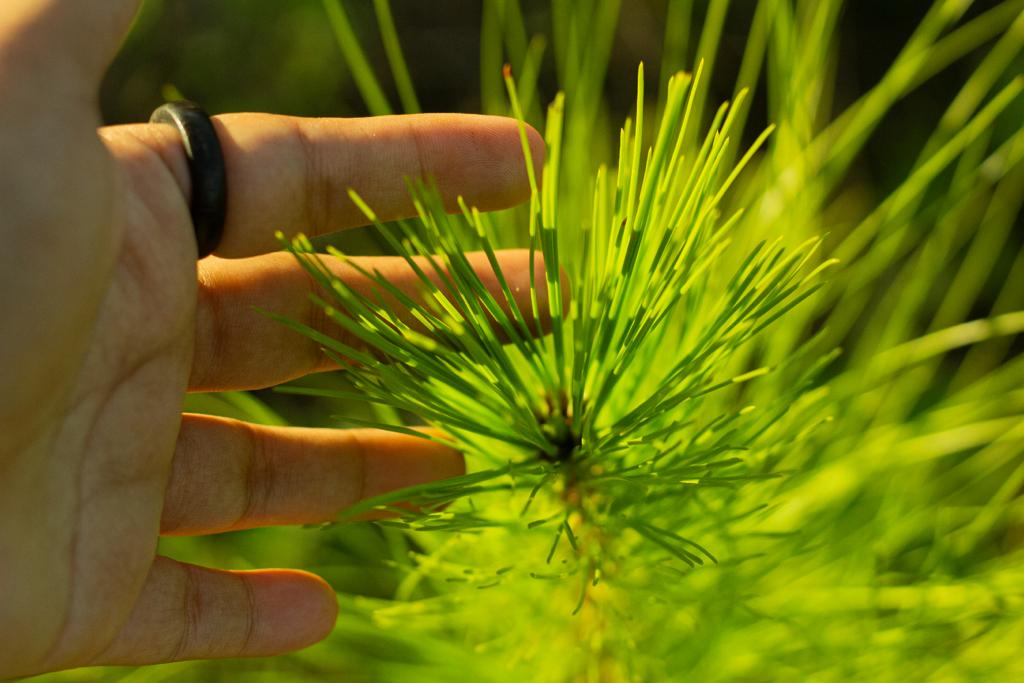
(293, 174)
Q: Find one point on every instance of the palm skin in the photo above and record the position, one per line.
(111, 424)
(109, 322)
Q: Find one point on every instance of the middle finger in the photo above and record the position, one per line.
(238, 347)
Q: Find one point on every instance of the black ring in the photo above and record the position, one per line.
(205, 167)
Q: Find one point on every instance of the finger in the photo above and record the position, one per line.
(189, 612)
(237, 347)
(229, 475)
(293, 174)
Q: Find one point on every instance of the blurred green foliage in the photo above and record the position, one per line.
(254, 55)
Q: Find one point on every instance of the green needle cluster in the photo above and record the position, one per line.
(609, 411)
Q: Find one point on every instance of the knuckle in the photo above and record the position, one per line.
(316, 184)
(191, 614)
(315, 318)
(259, 477)
(209, 335)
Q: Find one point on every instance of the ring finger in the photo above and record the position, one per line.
(228, 475)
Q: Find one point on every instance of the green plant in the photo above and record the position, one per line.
(620, 454)
(721, 463)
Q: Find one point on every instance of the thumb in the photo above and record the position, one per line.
(60, 195)
(68, 42)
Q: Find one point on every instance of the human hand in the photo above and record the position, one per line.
(109, 321)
